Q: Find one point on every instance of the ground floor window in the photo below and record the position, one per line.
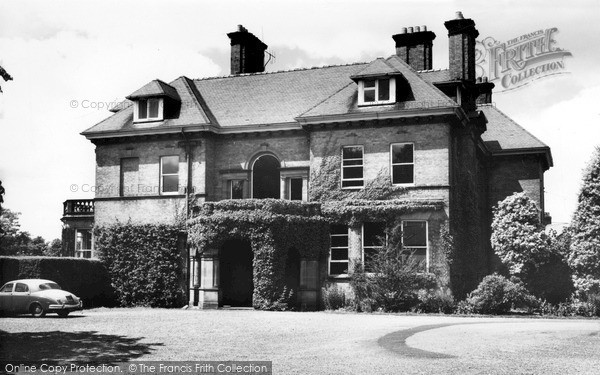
(414, 241)
(338, 256)
(373, 239)
(236, 189)
(83, 243)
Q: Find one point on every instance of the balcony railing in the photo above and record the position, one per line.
(78, 207)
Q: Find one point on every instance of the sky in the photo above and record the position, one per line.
(70, 59)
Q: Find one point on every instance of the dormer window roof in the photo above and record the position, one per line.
(149, 101)
(376, 83)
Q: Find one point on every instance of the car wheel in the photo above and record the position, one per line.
(63, 314)
(37, 310)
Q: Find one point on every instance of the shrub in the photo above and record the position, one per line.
(584, 256)
(498, 295)
(145, 263)
(334, 297)
(86, 278)
(438, 301)
(394, 279)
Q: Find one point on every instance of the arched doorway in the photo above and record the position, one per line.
(265, 177)
(236, 273)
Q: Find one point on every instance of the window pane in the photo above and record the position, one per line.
(374, 234)
(339, 241)
(369, 96)
(21, 288)
(237, 189)
(353, 152)
(339, 229)
(339, 254)
(153, 108)
(402, 153)
(296, 189)
(338, 268)
(353, 172)
(7, 288)
(170, 184)
(384, 89)
(143, 109)
(414, 233)
(403, 174)
(353, 183)
(369, 83)
(170, 164)
(369, 254)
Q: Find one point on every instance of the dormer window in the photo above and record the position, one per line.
(376, 91)
(149, 109)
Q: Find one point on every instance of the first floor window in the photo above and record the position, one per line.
(402, 163)
(352, 167)
(169, 174)
(373, 240)
(414, 241)
(295, 192)
(83, 243)
(338, 256)
(237, 189)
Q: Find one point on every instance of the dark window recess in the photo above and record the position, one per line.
(373, 240)
(237, 189)
(296, 189)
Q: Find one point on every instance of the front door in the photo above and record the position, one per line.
(236, 274)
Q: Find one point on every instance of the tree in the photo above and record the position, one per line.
(530, 254)
(13, 241)
(54, 249)
(584, 257)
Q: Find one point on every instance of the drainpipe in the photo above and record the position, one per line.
(187, 147)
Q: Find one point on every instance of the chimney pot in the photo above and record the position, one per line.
(403, 30)
(417, 29)
(410, 30)
(459, 16)
(423, 28)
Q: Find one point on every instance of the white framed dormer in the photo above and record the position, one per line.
(376, 91)
(148, 109)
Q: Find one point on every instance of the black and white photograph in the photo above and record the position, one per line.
(299, 187)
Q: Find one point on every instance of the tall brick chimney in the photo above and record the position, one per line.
(414, 45)
(462, 34)
(247, 52)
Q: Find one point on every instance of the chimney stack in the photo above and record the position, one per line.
(461, 39)
(414, 46)
(247, 52)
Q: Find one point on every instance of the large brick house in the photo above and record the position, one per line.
(395, 124)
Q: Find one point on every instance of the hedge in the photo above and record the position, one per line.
(86, 278)
(146, 263)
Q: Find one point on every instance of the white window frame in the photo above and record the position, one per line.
(161, 175)
(79, 253)
(392, 94)
(426, 247)
(347, 235)
(371, 247)
(362, 165)
(136, 112)
(392, 164)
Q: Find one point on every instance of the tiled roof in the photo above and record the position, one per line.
(377, 68)
(272, 98)
(155, 88)
(422, 95)
(433, 76)
(505, 135)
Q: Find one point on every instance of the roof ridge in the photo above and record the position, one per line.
(279, 71)
(207, 117)
(322, 101)
(432, 70)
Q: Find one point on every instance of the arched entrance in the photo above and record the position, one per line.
(236, 273)
(265, 177)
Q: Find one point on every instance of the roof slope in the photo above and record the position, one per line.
(272, 98)
(422, 95)
(155, 88)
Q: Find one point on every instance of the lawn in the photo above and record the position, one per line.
(310, 343)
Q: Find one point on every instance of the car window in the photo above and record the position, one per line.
(21, 288)
(7, 288)
(47, 286)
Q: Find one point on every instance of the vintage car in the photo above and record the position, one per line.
(37, 297)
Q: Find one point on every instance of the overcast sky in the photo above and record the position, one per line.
(66, 55)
